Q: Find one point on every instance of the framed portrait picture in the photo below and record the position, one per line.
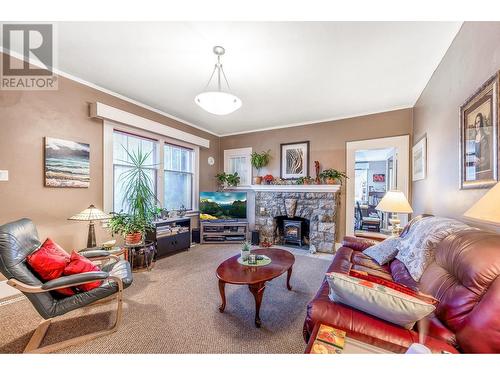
(479, 137)
(419, 160)
(294, 160)
(67, 163)
(378, 177)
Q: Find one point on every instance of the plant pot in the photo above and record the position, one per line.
(133, 238)
(257, 180)
(307, 182)
(331, 181)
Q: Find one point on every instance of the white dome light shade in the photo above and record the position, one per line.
(218, 102)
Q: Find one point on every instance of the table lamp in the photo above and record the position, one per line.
(90, 214)
(487, 209)
(394, 201)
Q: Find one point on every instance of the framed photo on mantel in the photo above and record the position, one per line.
(294, 160)
(479, 137)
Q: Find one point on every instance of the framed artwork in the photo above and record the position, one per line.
(479, 137)
(419, 160)
(294, 160)
(378, 177)
(67, 163)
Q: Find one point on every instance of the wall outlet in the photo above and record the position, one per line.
(4, 175)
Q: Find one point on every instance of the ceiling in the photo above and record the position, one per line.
(285, 73)
(381, 154)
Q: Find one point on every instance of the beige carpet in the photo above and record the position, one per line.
(173, 309)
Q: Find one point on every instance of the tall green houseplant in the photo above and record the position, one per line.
(139, 197)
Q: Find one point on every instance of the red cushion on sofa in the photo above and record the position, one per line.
(80, 264)
(49, 262)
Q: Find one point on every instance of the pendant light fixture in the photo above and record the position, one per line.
(218, 102)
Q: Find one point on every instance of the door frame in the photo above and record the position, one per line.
(402, 145)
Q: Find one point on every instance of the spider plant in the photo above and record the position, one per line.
(139, 196)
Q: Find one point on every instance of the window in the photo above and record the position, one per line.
(123, 142)
(238, 160)
(178, 177)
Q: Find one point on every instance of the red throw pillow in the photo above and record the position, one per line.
(80, 264)
(48, 262)
(393, 285)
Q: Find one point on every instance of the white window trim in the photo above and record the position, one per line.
(239, 152)
(109, 127)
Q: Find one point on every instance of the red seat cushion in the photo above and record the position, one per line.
(49, 262)
(80, 264)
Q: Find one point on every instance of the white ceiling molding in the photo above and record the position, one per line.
(106, 112)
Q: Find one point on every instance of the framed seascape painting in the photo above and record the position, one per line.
(419, 160)
(67, 163)
(479, 137)
(294, 160)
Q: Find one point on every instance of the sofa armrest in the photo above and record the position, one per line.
(358, 244)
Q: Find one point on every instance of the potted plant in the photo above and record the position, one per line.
(308, 180)
(259, 161)
(332, 176)
(221, 180)
(139, 199)
(268, 178)
(245, 251)
(232, 179)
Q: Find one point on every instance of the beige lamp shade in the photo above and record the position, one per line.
(394, 201)
(90, 214)
(487, 209)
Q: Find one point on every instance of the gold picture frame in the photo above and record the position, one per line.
(479, 132)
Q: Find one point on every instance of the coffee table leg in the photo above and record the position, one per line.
(257, 291)
(222, 291)
(289, 274)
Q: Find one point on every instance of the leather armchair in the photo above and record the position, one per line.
(20, 239)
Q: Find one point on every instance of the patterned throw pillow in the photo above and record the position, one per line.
(416, 250)
(384, 251)
(378, 300)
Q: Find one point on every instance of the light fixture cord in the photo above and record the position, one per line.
(218, 67)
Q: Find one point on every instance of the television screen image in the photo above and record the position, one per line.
(223, 205)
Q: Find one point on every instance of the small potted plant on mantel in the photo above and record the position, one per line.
(268, 179)
(308, 180)
(332, 176)
(259, 161)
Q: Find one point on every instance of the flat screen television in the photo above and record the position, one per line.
(223, 205)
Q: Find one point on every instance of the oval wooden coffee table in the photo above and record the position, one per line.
(232, 272)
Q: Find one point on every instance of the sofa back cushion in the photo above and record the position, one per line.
(464, 278)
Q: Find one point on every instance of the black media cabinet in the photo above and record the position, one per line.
(219, 231)
(171, 235)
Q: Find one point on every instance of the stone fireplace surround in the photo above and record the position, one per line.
(318, 207)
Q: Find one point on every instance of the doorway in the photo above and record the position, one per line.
(374, 167)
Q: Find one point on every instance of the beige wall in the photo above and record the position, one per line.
(25, 119)
(472, 58)
(327, 142)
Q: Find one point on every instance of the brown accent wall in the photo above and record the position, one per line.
(472, 58)
(327, 142)
(26, 118)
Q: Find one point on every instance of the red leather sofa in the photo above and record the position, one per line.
(463, 277)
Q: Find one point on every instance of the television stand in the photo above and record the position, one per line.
(220, 231)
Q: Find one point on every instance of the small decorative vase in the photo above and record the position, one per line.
(245, 254)
(257, 180)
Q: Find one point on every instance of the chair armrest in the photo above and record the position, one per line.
(94, 253)
(73, 280)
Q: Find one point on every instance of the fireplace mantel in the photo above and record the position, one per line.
(290, 188)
